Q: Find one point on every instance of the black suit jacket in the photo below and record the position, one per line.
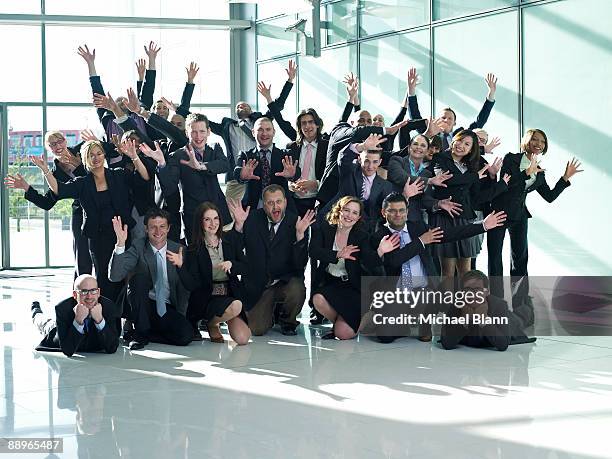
(197, 186)
(254, 187)
(394, 260)
(513, 201)
(321, 249)
(199, 265)
(282, 258)
(223, 128)
(66, 337)
(320, 155)
(119, 182)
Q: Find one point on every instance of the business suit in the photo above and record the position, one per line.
(481, 118)
(281, 259)
(222, 129)
(97, 225)
(254, 188)
(200, 266)
(351, 184)
(80, 246)
(513, 203)
(139, 261)
(343, 295)
(65, 337)
(197, 186)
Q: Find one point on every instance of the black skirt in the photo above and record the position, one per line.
(345, 300)
(463, 248)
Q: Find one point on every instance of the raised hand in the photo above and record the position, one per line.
(482, 173)
(88, 56)
(192, 71)
(494, 219)
(141, 68)
(168, 103)
(96, 313)
(534, 166)
(492, 145)
(152, 51)
(128, 148)
(40, 162)
(434, 127)
(175, 258)
(303, 185)
(248, 170)
(264, 91)
(572, 168)
(396, 127)
(440, 178)
(348, 251)
(238, 213)
(352, 87)
(87, 135)
(81, 312)
(389, 243)
(107, 102)
(491, 81)
(133, 104)
(412, 79)
(414, 188)
(302, 223)
(371, 143)
(16, 181)
(433, 236)
(452, 208)
(494, 167)
(289, 168)
(156, 154)
(291, 70)
(193, 161)
(68, 158)
(506, 178)
(121, 231)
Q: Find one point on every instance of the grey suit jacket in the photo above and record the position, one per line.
(140, 259)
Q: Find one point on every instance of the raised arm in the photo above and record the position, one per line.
(183, 108)
(274, 111)
(148, 88)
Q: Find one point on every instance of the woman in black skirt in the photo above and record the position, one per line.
(470, 186)
(215, 259)
(343, 251)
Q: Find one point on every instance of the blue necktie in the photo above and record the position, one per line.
(160, 297)
(87, 323)
(405, 282)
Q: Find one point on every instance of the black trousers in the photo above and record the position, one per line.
(172, 328)
(80, 246)
(101, 247)
(519, 257)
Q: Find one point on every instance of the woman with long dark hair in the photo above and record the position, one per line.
(215, 259)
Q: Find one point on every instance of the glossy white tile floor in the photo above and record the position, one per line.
(284, 397)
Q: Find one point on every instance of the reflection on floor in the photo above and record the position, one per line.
(285, 397)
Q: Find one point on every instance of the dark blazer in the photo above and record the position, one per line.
(119, 183)
(223, 128)
(295, 150)
(394, 260)
(68, 339)
(465, 188)
(197, 186)
(341, 135)
(321, 249)
(513, 201)
(140, 259)
(282, 258)
(199, 265)
(480, 121)
(176, 138)
(254, 187)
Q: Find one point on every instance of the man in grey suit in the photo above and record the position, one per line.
(157, 290)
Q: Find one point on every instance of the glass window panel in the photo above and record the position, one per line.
(20, 7)
(23, 82)
(388, 15)
(341, 20)
(443, 9)
(274, 73)
(68, 81)
(321, 84)
(194, 9)
(563, 96)
(384, 66)
(272, 40)
(26, 221)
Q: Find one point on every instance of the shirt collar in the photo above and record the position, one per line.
(162, 250)
(403, 230)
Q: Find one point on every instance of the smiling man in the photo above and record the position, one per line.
(85, 322)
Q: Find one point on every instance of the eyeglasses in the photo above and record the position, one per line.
(91, 291)
(55, 144)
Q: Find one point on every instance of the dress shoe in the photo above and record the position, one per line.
(35, 308)
(288, 330)
(136, 345)
(329, 335)
(197, 336)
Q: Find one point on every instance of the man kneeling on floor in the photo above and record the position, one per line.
(157, 291)
(85, 322)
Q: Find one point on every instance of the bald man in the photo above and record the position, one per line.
(85, 322)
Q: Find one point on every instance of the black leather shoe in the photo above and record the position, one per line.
(329, 335)
(288, 330)
(136, 345)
